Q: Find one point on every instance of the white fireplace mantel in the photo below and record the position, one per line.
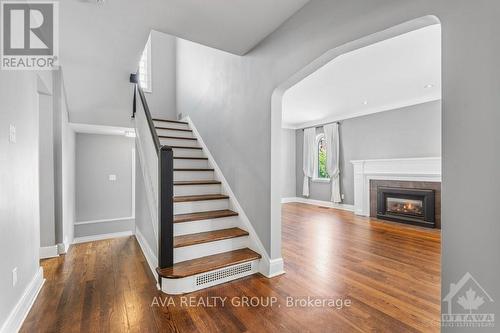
(412, 169)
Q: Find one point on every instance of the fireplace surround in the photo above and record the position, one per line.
(407, 205)
(419, 173)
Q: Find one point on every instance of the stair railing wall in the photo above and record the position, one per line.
(159, 162)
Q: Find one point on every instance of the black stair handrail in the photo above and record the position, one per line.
(138, 89)
(165, 184)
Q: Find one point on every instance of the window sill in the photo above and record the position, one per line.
(321, 180)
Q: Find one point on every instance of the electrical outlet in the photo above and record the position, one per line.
(342, 196)
(14, 277)
(12, 134)
(112, 178)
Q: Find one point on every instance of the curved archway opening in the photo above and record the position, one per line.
(277, 109)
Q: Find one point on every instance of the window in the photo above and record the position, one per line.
(145, 68)
(321, 168)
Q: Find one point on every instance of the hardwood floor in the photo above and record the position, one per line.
(389, 272)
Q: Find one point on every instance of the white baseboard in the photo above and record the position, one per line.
(62, 248)
(272, 268)
(148, 253)
(102, 236)
(22, 308)
(289, 199)
(127, 218)
(321, 203)
(49, 252)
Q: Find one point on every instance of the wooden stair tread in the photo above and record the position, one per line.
(190, 158)
(171, 121)
(194, 169)
(173, 129)
(209, 236)
(200, 197)
(208, 263)
(213, 214)
(176, 137)
(185, 147)
(196, 182)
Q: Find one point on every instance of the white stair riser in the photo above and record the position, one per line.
(194, 227)
(179, 142)
(183, 134)
(208, 249)
(200, 206)
(188, 284)
(190, 163)
(193, 175)
(170, 125)
(179, 152)
(196, 189)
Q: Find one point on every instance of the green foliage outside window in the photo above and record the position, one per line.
(322, 171)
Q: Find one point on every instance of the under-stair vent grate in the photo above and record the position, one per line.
(224, 273)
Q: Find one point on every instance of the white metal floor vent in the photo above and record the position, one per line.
(223, 273)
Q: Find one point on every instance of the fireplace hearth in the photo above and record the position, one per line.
(410, 206)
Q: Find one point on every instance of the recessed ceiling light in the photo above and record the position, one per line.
(365, 102)
(427, 86)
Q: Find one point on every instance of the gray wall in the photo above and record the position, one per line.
(413, 131)
(46, 167)
(229, 99)
(19, 186)
(143, 223)
(97, 198)
(161, 100)
(288, 148)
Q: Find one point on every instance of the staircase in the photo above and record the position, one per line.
(210, 244)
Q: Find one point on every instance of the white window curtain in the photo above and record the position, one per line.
(332, 159)
(308, 158)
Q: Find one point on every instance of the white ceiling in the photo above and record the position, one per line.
(101, 44)
(387, 75)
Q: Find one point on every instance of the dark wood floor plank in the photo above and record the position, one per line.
(196, 182)
(208, 236)
(201, 197)
(390, 272)
(214, 214)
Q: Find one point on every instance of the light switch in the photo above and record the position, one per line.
(12, 134)
(112, 178)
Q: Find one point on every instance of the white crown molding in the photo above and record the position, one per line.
(17, 316)
(356, 114)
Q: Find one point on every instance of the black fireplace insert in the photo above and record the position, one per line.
(410, 206)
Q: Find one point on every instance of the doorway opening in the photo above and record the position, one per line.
(363, 117)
